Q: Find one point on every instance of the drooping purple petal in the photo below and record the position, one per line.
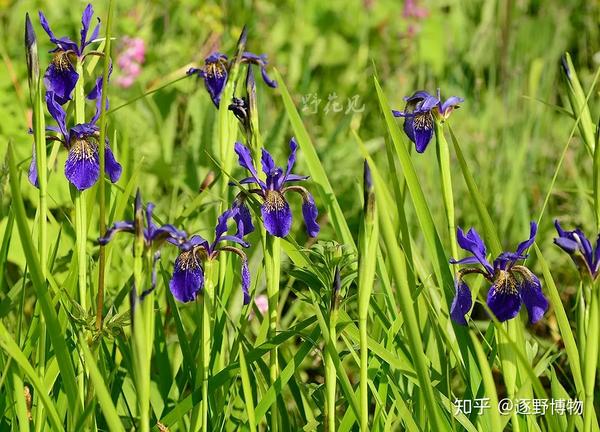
(126, 226)
(58, 113)
(245, 161)
(112, 168)
(246, 281)
(82, 167)
(532, 296)
(166, 232)
(577, 245)
(215, 76)
(422, 136)
(462, 302)
(467, 260)
(310, 213)
(221, 227)
(60, 78)
(243, 219)
(33, 174)
(449, 105)
(473, 243)
(276, 214)
(188, 278)
(268, 81)
(504, 299)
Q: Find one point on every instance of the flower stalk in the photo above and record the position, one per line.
(367, 254)
(272, 260)
(330, 373)
(443, 157)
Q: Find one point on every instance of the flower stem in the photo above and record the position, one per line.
(80, 218)
(39, 131)
(367, 254)
(207, 298)
(101, 184)
(443, 156)
(590, 360)
(272, 268)
(330, 373)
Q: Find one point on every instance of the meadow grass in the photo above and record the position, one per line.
(352, 329)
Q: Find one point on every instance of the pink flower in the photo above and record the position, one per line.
(262, 303)
(130, 61)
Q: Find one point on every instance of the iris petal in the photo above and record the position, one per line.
(422, 137)
(462, 302)
(532, 296)
(243, 219)
(503, 297)
(33, 174)
(112, 168)
(276, 214)
(472, 242)
(188, 278)
(61, 80)
(82, 167)
(310, 213)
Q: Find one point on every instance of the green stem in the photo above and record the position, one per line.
(443, 154)
(330, 374)
(590, 361)
(207, 298)
(39, 127)
(80, 219)
(272, 269)
(101, 184)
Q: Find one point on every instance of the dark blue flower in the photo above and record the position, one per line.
(154, 236)
(82, 167)
(512, 284)
(188, 274)
(61, 77)
(419, 116)
(275, 210)
(576, 244)
(216, 71)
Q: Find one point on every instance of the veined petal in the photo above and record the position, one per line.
(188, 278)
(462, 302)
(60, 77)
(246, 281)
(503, 297)
(112, 168)
(245, 161)
(268, 165)
(291, 159)
(242, 218)
(215, 76)
(310, 213)
(276, 214)
(221, 227)
(423, 131)
(82, 167)
(126, 226)
(467, 260)
(473, 243)
(63, 43)
(33, 174)
(531, 294)
(268, 81)
(57, 112)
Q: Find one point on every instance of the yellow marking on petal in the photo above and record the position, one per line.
(215, 69)
(188, 261)
(83, 148)
(423, 121)
(505, 283)
(61, 60)
(274, 201)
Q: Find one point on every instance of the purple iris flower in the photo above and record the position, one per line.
(216, 71)
(419, 116)
(154, 236)
(576, 244)
(60, 77)
(275, 210)
(188, 274)
(512, 284)
(82, 167)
